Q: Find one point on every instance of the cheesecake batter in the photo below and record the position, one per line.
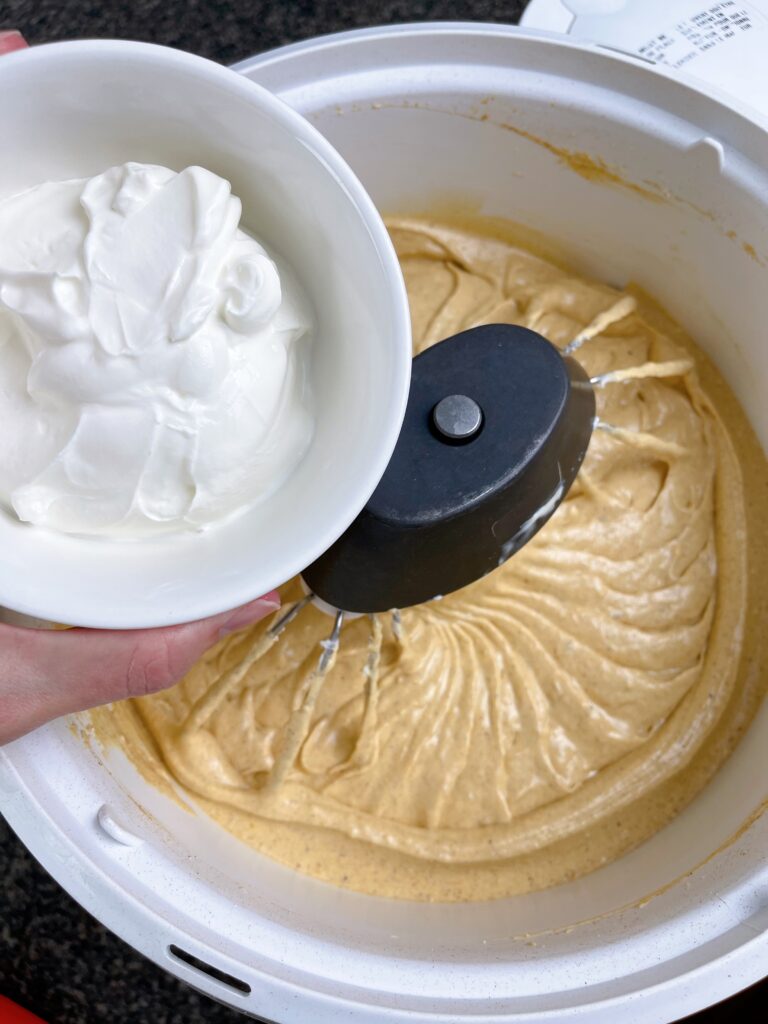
(551, 716)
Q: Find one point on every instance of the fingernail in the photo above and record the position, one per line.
(250, 613)
(11, 40)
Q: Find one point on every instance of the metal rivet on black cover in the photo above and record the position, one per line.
(457, 417)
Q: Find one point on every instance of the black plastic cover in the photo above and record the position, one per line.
(446, 514)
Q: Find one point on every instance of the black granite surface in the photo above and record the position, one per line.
(55, 959)
(231, 29)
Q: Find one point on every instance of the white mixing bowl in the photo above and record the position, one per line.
(75, 109)
(426, 113)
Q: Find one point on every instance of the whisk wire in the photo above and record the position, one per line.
(641, 440)
(618, 311)
(397, 625)
(212, 699)
(673, 368)
(371, 671)
(301, 716)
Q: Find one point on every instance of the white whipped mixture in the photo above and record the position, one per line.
(150, 376)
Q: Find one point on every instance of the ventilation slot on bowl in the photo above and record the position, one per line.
(213, 972)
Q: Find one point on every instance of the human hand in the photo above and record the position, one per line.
(45, 673)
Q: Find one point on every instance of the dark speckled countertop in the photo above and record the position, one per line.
(55, 959)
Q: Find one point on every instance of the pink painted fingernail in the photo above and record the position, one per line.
(10, 40)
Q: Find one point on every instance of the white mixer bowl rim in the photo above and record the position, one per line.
(479, 29)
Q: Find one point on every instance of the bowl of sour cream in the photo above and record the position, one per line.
(204, 338)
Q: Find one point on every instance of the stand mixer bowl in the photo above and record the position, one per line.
(672, 194)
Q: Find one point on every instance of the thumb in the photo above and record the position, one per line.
(46, 673)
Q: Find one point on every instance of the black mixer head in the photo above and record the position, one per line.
(496, 428)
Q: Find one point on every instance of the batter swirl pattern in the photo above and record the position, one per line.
(571, 682)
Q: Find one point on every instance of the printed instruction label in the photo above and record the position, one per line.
(713, 26)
